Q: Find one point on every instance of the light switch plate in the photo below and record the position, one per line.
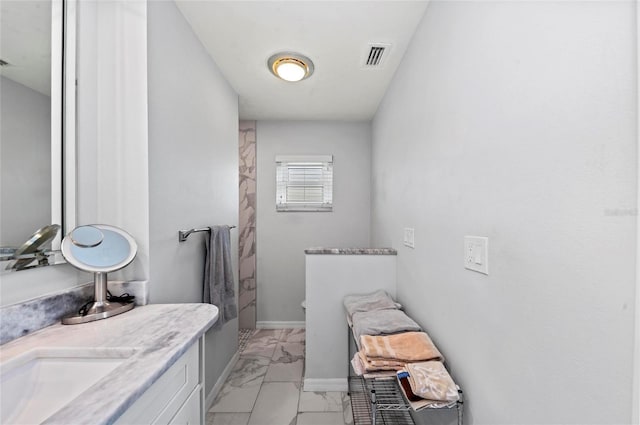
(409, 237)
(476, 254)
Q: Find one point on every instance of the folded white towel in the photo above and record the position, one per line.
(431, 380)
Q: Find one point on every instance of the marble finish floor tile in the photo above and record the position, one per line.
(316, 418)
(293, 335)
(228, 418)
(277, 404)
(284, 372)
(321, 401)
(287, 363)
(241, 389)
(347, 412)
(274, 333)
(288, 352)
(263, 343)
(265, 387)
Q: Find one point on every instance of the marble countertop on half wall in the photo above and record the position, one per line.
(350, 251)
(158, 334)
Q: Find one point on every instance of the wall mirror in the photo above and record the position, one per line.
(37, 136)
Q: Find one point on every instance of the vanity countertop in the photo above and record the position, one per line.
(350, 251)
(159, 334)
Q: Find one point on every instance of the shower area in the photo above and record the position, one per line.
(247, 232)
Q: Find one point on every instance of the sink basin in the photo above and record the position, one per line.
(38, 383)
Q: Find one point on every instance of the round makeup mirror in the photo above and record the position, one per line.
(86, 236)
(31, 251)
(99, 248)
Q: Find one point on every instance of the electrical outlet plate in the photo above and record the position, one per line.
(409, 237)
(476, 254)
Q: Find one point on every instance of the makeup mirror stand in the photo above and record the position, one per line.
(101, 307)
(99, 248)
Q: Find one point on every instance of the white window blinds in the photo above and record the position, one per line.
(304, 183)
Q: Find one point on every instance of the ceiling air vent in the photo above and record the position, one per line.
(3, 63)
(375, 55)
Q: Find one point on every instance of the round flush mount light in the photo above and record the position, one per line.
(290, 66)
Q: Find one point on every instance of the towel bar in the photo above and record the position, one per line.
(184, 234)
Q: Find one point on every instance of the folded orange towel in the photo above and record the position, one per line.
(403, 347)
(373, 365)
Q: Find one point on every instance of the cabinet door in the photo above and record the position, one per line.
(189, 413)
(166, 396)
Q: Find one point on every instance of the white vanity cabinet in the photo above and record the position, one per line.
(149, 362)
(177, 397)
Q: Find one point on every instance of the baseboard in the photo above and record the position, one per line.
(208, 402)
(280, 325)
(335, 384)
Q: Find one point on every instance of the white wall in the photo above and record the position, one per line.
(635, 414)
(328, 279)
(193, 167)
(517, 121)
(283, 236)
(25, 162)
(112, 152)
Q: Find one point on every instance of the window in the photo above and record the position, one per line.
(304, 183)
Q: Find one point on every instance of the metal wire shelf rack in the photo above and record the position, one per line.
(380, 401)
(384, 396)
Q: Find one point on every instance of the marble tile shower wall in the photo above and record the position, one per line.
(247, 225)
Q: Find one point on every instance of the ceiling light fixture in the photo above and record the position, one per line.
(290, 66)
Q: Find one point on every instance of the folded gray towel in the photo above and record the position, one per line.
(382, 322)
(378, 300)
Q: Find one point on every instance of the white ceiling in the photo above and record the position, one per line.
(241, 35)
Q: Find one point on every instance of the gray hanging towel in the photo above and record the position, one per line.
(218, 275)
